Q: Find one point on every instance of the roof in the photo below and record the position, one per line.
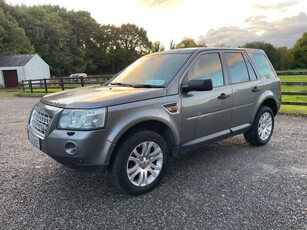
(15, 60)
(199, 49)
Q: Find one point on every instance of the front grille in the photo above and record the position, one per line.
(40, 121)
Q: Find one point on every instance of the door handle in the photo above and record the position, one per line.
(223, 96)
(256, 89)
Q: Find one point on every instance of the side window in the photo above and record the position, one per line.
(208, 66)
(251, 71)
(237, 67)
(264, 65)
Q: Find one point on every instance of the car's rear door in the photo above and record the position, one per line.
(245, 86)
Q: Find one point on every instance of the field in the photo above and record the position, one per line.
(295, 109)
(293, 78)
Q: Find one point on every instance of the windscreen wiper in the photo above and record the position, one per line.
(148, 86)
(121, 84)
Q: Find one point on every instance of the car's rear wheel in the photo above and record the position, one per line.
(261, 131)
(140, 162)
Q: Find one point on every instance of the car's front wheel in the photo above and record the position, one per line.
(261, 131)
(140, 162)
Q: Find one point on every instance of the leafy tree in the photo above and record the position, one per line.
(49, 35)
(282, 58)
(83, 41)
(268, 48)
(129, 43)
(172, 45)
(298, 54)
(133, 38)
(72, 41)
(186, 43)
(13, 39)
(156, 47)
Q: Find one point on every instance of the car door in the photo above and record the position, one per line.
(245, 87)
(206, 114)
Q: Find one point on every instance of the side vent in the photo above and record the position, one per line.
(172, 108)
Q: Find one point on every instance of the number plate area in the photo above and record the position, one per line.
(34, 140)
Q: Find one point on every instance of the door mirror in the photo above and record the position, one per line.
(198, 85)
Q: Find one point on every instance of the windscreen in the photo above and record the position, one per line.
(152, 70)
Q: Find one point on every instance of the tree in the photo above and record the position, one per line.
(186, 43)
(156, 47)
(172, 45)
(282, 58)
(13, 39)
(71, 41)
(133, 38)
(298, 54)
(268, 48)
(129, 43)
(84, 44)
(49, 34)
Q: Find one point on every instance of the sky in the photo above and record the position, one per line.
(217, 22)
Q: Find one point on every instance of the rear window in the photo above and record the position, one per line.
(263, 65)
(237, 67)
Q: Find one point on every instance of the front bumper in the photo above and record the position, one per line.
(91, 148)
(85, 150)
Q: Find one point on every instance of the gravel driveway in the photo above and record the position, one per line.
(226, 185)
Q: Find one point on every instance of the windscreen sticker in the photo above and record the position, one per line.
(154, 82)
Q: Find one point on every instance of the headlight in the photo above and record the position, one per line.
(82, 119)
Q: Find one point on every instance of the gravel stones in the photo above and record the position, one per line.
(226, 185)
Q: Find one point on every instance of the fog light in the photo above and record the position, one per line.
(71, 148)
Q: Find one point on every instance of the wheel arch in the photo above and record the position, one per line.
(157, 126)
(272, 104)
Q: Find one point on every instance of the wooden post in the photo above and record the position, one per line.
(61, 83)
(45, 84)
(82, 81)
(23, 85)
(30, 85)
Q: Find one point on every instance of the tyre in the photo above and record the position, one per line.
(261, 131)
(140, 162)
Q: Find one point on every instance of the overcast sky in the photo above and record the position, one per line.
(225, 22)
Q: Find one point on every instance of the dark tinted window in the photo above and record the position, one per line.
(264, 65)
(252, 75)
(208, 66)
(237, 67)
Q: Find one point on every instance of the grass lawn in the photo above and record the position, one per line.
(293, 78)
(8, 93)
(296, 98)
(295, 109)
(293, 88)
(39, 92)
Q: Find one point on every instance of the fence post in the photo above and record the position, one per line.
(30, 84)
(23, 85)
(45, 84)
(82, 81)
(62, 85)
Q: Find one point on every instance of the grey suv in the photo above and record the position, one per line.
(162, 105)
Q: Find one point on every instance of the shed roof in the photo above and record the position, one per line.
(15, 60)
